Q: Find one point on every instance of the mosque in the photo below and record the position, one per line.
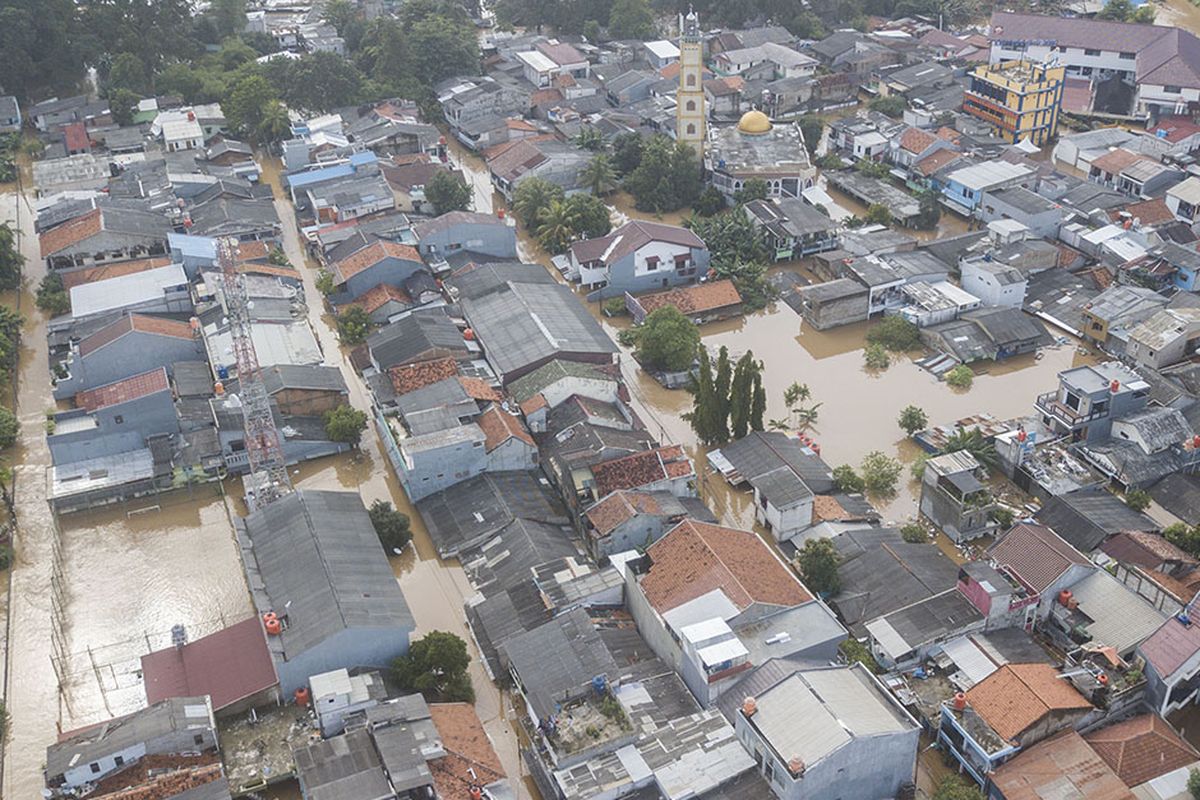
(757, 148)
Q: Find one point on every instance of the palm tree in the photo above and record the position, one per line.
(275, 124)
(972, 441)
(589, 138)
(599, 175)
(557, 225)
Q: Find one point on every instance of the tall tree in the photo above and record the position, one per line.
(740, 395)
(592, 217)
(339, 13)
(556, 225)
(129, 73)
(598, 175)
(721, 401)
(667, 340)
(758, 404)
(631, 19)
(818, 562)
(229, 16)
(41, 50)
(447, 191)
(247, 103)
(274, 124)
(11, 260)
(531, 196)
(703, 412)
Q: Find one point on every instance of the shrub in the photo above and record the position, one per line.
(1137, 499)
(961, 377)
(913, 533)
(9, 428)
(1003, 517)
(880, 472)
(615, 307)
(875, 357)
(846, 479)
(391, 526)
(896, 334)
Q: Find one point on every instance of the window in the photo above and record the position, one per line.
(652, 263)
(1091, 52)
(1129, 56)
(691, 105)
(120, 420)
(691, 80)
(95, 768)
(198, 739)
(691, 128)
(119, 760)
(1172, 89)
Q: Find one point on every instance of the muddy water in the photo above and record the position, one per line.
(435, 589)
(1180, 13)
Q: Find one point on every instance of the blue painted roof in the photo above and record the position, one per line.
(301, 179)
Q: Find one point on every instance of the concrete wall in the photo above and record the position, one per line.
(1044, 224)
(347, 649)
(991, 293)
(512, 455)
(833, 313)
(630, 274)
(432, 470)
(498, 241)
(639, 532)
(392, 271)
(650, 624)
(784, 523)
(118, 429)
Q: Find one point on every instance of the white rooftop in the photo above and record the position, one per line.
(182, 130)
(663, 49)
(1188, 191)
(987, 174)
(539, 61)
(124, 291)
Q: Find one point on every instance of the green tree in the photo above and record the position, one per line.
(11, 260)
(592, 217)
(590, 138)
(247, 101)
(961, 377)
(316, 82)
(896, 334)
(599, 175)
(556, 225)
(10, 340)
(120, 104)
(855, 652)
(230, 16)
(847, 480)
(52, 296)
(339, 14)
(627, 152)
(721, 387)
(879, 214)
(447, 191)
(128, 72)
(972, 440)
(913, 533)
(353, 325)
(741, 390)
(667, 177)
(811, 128)
(631, 19)
(880, 473)
(1137, 499)
(436, 666)
(710, 202)
(325, 284)
(704, 414)
(912, 419)
(390, 525)
(931, 209)
(1184, 537)
(41, 51)
(667, 340)
(807, 25)
(872, 169)
(274, 125)
(9, 428)
(753, 189)
(758, 403)
(1145, 14)
(1119, 10)
(953, 787)
(893, 105)
(1003, 517)
(1193, 784)
(442, 40)
(818, 563)
(530, 197)
(345, 424)
(876, 357)
(591, 31)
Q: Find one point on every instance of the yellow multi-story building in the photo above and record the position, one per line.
(1021, 99)
(689, 98)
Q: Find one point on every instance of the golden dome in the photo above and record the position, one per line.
(754, 121)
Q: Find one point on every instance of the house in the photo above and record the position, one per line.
(794, 229)
(757, 148)
(1142, 749)
(10, 114)
(997, 285)
(166, 733)
(114, 418)
(710, 601)
(1040, 559)
(107, 233)
(1020, 99)
(409, 179)
(507, 441)
(305, 390)
(1103, 612)
(426, 335)
(313, 559)
(1167, 337)
(1063, 765)
(1011, 710)
(1040, 215)
(628, 519)
(1154, 568)
(457, 231)
(382, 262)
(954, 498)
(523, 326)
(1183, 199)
(838, 302)
(880, 573)
(768, 60)
(232, 667)
(551, 59)
(181, 131)
(906, 637)
(703, 302)
(1088, 398)
(52, 114)
(559, 163)
(549, 386)
(128, 344)
(830, 732)
(81, 173)
(963, 188)
(467, 101)
(1114, 313)
(1172, 656)
(785, 474)
(987, 334)
(666, 468)
(639, 256)
(1180, 495)
(660, 53)
(1086, 518)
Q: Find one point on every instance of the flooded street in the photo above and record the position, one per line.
(858, 407)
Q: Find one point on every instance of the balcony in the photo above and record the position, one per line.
(1050, 405)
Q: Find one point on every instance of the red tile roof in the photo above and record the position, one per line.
(410, 377)
(371, 255)
(379, 295)
(935, 161)
(1116, 160)
(916, 140)
(71, 233)
(1142, 748)
(619, 507)
(252, 251)
(1017, 696)
(228, 665)
(470, 758)
(157, 326)
(1171, 646)
(1144, 549)
(93, 274)
(695, 558)
(499, 426)
(534, 403)
(479, 389)
(697, 299)
(1036, 553)
(1146, 212)
(123, 391)
(1176, 128)
(641, 469)
(76, 137)
(1061, 766)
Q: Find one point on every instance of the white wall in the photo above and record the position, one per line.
(665, 252)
